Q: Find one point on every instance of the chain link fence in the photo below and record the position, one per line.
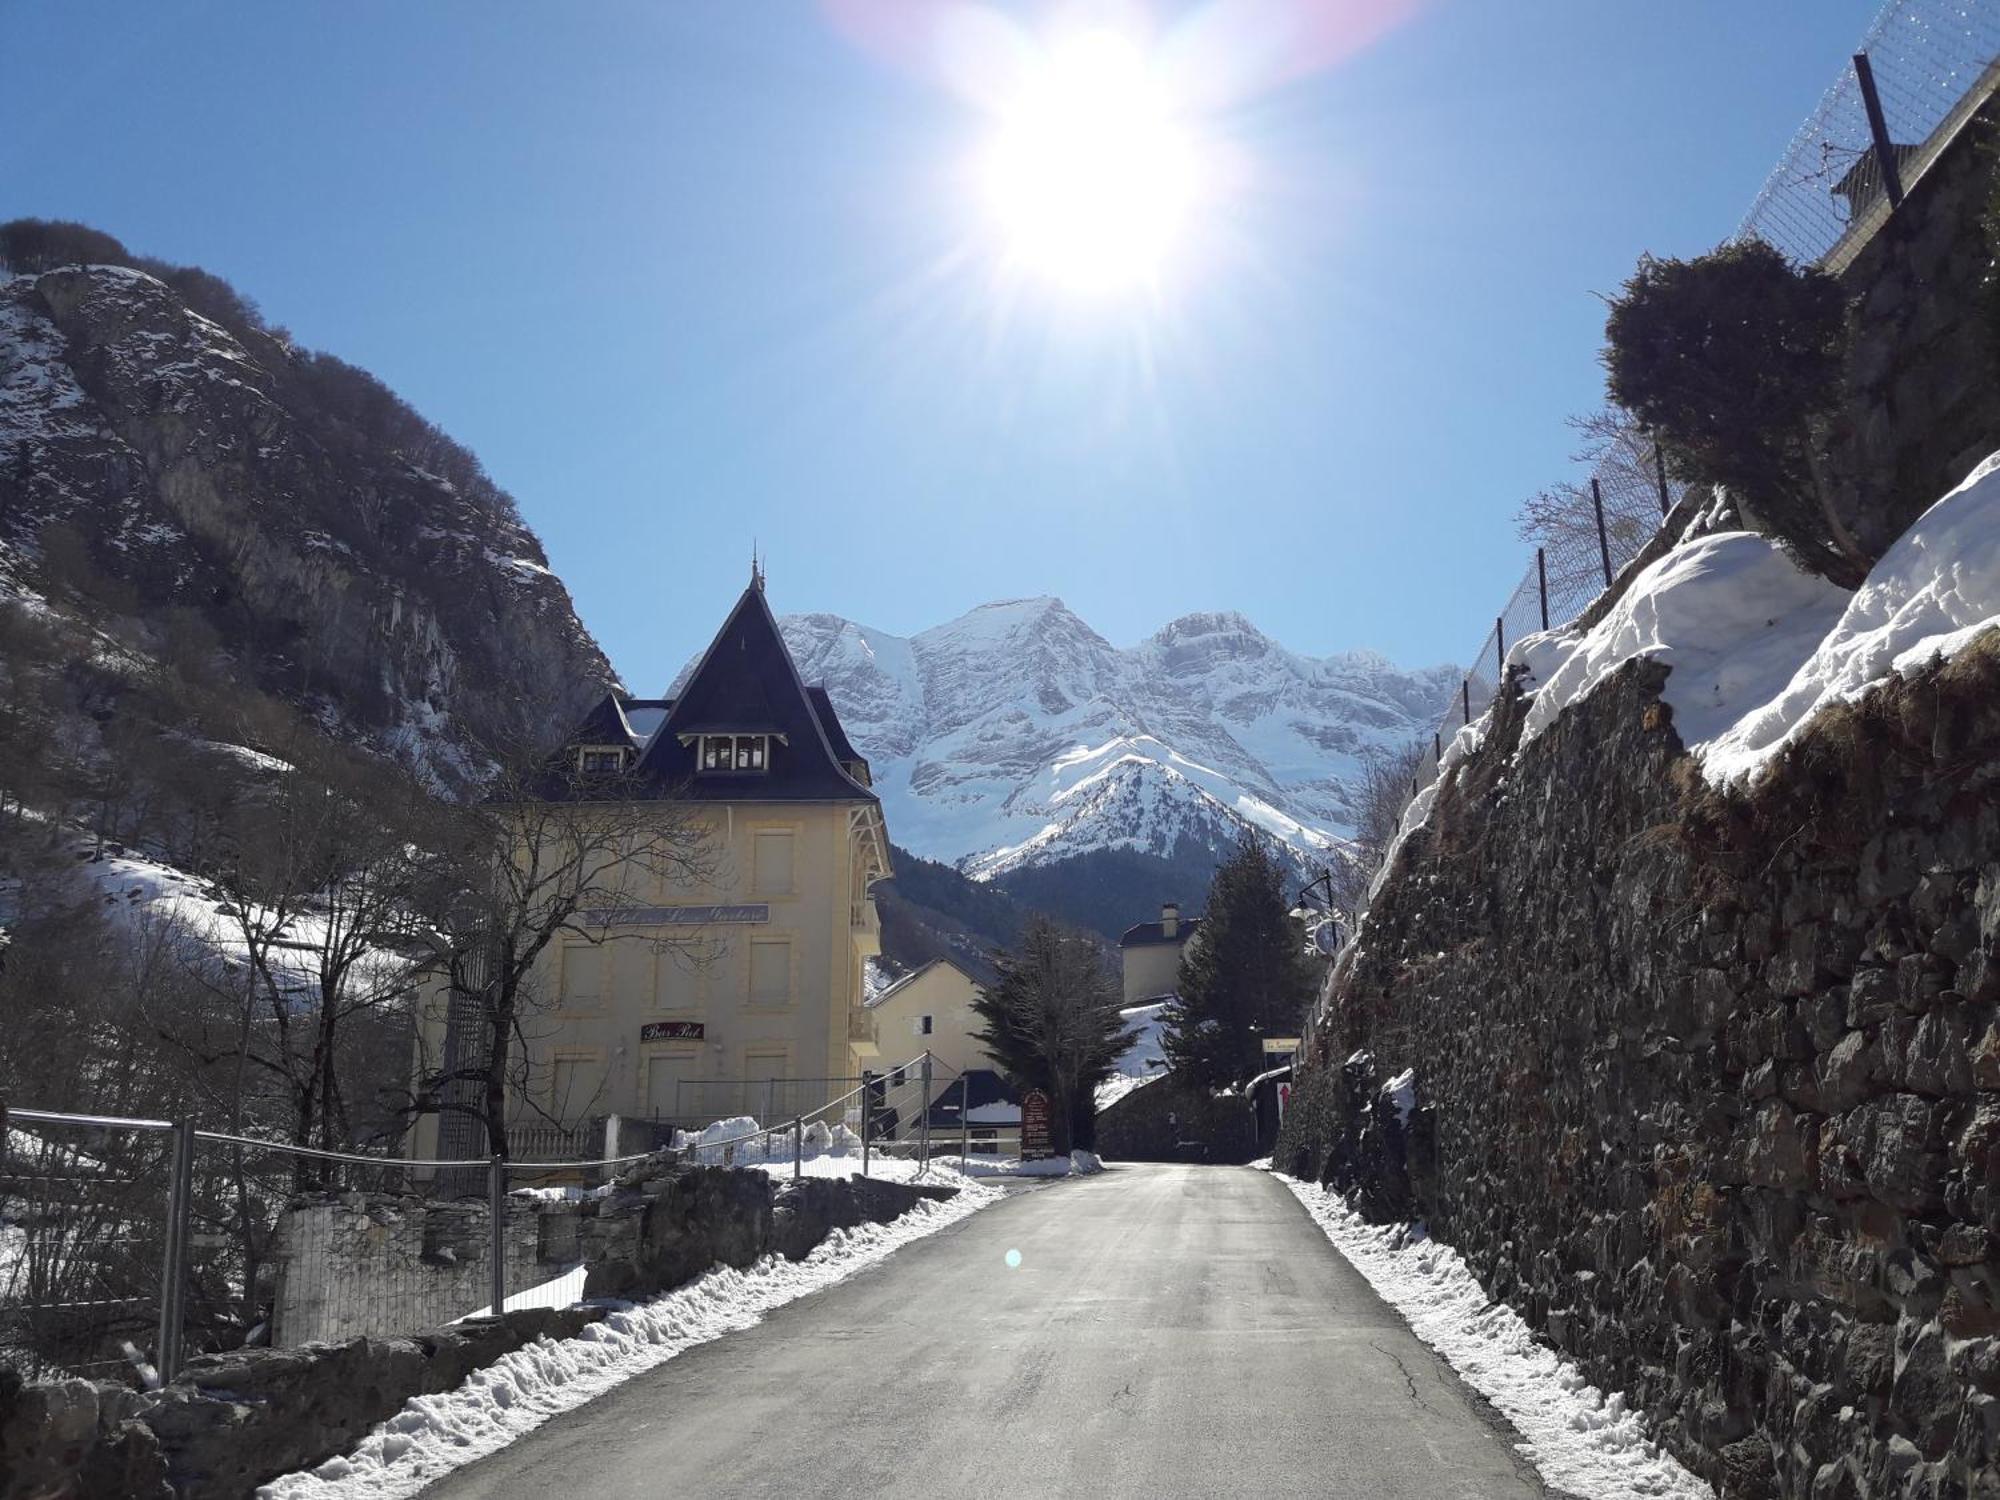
(129, 1245)
(1931, 64)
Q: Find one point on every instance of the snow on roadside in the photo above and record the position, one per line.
(433, 1435)
(1580, 1440)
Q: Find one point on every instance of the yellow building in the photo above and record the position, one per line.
(741, 996)
(930, 1010)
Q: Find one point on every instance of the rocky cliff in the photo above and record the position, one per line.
(198, 471)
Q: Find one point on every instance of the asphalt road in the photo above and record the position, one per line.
(1169, 1331)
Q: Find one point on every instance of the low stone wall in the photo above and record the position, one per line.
(1168, 1120)
(1708, 1086)
(232, 1421)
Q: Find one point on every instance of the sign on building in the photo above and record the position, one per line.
(673, 1031)
(1035, 1143)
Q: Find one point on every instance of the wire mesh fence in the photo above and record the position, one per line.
(1930, 65)
(129, 1245)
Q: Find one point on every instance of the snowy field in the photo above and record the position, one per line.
(1580, 1440)
(433, 1435)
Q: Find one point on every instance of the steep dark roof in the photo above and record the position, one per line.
(1153, 932)
(843, 749)
(745, 683)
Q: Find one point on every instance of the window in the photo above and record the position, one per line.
(575, 1082)
(923, 1025)
(666, 1071)
(734, 752)
(770, 971)
(771, 862)
(582, 975)
(598, 759)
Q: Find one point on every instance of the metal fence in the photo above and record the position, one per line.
(1929, 65)
(128, 1245)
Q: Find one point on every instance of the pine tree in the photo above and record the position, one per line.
(1244, 977)
(1052, 1023)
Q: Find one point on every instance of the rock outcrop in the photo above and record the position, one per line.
(347, 555)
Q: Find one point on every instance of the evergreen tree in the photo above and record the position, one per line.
(1244, 977)
(1052, 1023)
(1736, 360)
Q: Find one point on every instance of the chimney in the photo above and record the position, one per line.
(1170, 919)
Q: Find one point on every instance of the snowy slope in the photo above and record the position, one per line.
(1016, 735)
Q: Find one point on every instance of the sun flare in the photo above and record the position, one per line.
(1090, 176)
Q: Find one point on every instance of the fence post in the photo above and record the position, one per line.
(1542, 582)
(867, 1113)
(924, 1118)
(496, 1230)
(1500, 648)
(1465, 698)
(964, 1121)
(173, 1262)
(1437, 748)
(798, 1147)
(1885, 151)
(1603, 544)
(1660, 475)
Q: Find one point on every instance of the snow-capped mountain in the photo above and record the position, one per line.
(1016, 735)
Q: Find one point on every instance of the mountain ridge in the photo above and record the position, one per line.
(1017, 736)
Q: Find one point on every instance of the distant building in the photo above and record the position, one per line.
(773, 1016)
(1150, 954)
(930, 1010)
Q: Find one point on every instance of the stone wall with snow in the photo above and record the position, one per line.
(1924, 362)
(1708, 1075)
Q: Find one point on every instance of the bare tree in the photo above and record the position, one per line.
(1562, 519)
(551, 852)
(1387, 779)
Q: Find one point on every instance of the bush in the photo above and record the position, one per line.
(30, 246)
(1735, 359)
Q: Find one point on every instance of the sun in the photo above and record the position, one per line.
(1090, 177)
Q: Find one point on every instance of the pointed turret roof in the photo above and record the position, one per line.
(745, 683)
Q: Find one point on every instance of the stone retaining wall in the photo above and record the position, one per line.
(1709, 1086)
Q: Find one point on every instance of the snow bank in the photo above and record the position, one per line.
(1928, 597)
(741, 1141)
(433, 1435)
(1731, 614)
(1583, 1442)
(1758, 646)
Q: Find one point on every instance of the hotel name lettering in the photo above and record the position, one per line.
(670, 916)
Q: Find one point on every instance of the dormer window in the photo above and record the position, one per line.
(738, 753)
(600, 760)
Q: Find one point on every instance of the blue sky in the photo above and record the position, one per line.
(687, 275)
